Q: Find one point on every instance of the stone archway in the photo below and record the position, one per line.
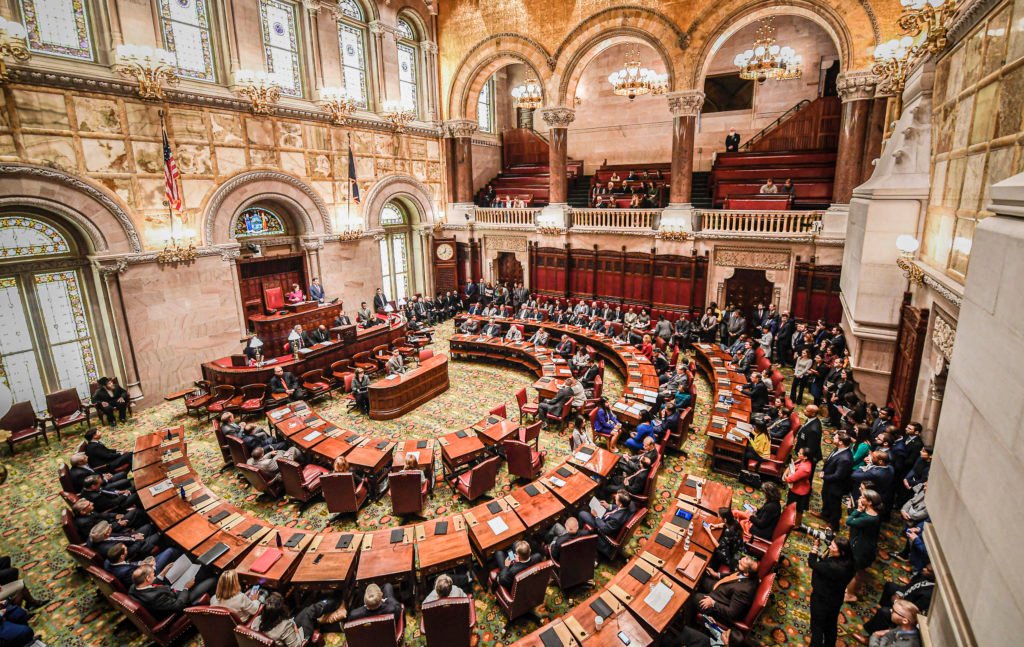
(487, 57)
(403, 187)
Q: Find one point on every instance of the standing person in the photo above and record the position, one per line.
(708, 324)
(361, 388)
(829, 576)
(798, 475)
(835, 478)
(732, 141)
(800, 376)
(865, 524)
(316, 291)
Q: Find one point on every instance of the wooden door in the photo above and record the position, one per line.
(907, 363)
(747, 288)
(510, 270)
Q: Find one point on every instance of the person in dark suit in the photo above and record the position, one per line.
(86, 518)
(108, 398)
(565, 347)
(589, 374)
(105, 499)
(100, 456)
(316, 336)
(636, 482)
(732, 141)
(757, 392)
(342, 320)
(835, 479)
(809, 436)
(380, 302)
(611, 522)
(160, 599)
(137, 544)
(286, 382)
(829, 577)
(80, 471)
(492, 329)
(364, 316)
(120, 566)
(316, 291)
(729, 598)
(560, 534)
(510, 565)
(395, 364)
(555, 404)
(377, 601)
(14, 628)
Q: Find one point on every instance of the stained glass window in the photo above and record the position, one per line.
(405, 30)
(351, 9)
(186, 27)
(485, 107)
(58, 27)
(67, 329)
(394, 265)
(281, 45)
(353, 62)
(19, 368)
(407, 75)
(22, 236)
(392, 214)
(257, 221)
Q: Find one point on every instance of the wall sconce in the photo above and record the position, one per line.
(399, 114)
(338, 103)
(12, 43)
(907, 245)
(674, 234)
(151, 67)
(261, 88)
(932, 17)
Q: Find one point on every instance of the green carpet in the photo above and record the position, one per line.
(30, 533)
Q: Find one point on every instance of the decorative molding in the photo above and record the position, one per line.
(229, 253)
(559, 117)
(312, 244)
(79, 184)
(968, 18)
(856, 85)
(428, 46)
(311, 6)
(943, 335)
(119, 266)
(505, 244)
(870, 11)
(460, 128)
(685, 103)
(226, 189)
(772, 238)
(682, 40)
(946, 293)
(758, 259)
(377, 28)
(390, 186)
(99, 243)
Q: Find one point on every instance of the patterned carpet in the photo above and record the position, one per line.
(29, 532)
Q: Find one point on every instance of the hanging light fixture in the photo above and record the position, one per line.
(632, 80)
(528, 96)
(767, 59)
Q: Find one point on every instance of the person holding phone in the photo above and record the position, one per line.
(230, 596)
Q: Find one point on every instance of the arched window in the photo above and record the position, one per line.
(485, 107)
(408, 55)
(46, 339)
(259, 221)
(281, 45)
(352, 43)
(186, 30)
(58, 28)
(395, 267)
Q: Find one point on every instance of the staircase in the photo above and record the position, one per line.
(807, 126)
(700, 190)
(579, 192)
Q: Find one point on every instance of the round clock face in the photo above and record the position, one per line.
(445, 252)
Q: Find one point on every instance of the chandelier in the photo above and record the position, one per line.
(528, 96)
(149, 66)
(338, 103)
(399, 114)
(632, 80)
(768, 60)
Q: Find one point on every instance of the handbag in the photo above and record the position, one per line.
(749, 478)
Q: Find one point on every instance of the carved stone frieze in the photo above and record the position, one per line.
(109, 268)
(460, 127)
(686, 103)
(505, 243)
(858, 85)
(559, 117)
(943, 335)
(757, 259)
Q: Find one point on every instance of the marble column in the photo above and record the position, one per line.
(461, 131)
(429, 54)
(685, 106)
(856, 90)
(874, 133)
(558, 120)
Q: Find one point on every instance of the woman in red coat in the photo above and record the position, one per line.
(798, 475)
(647, 349)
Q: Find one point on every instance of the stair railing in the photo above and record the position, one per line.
(784, 116)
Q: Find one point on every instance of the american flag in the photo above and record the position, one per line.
(171, 176)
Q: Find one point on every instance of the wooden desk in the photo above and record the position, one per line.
(714, 495)
(440, 552)
(700, 536)
(600, 463)
(374, 457)
(191, 531)
(583, 615)
(632, 592)
(578, 484)
(278, 576)
(424, 450)
(485, 541)
(274, 329)
(324, 566)
(170, 512)
(493, 430)
(237, 548)
(537, 511)
(394, 396)
(459, 448)
(556, 629)
(382, 561)
(155, 455)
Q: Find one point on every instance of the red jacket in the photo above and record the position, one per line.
(800, 479)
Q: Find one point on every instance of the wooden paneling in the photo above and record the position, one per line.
(522, 146)
(907, 364)
(816, 293)
(815, 127)
(258, 274)
(445, 271)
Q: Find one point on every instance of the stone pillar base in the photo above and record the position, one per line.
(679, 217)
(554, 215)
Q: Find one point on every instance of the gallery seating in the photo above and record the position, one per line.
(66, 409)
(23, 424)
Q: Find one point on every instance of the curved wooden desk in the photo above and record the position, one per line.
(391, 397)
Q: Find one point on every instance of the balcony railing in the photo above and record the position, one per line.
(506, 216)
(758, 222)
(615, 218)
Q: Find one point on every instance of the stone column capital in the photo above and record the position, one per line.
(559, 117)
(685, 103)
(428, 46)
(857, 85)
(377, 28)
(460, 128)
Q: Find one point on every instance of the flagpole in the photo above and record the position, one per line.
(348, 202)
(170, 210)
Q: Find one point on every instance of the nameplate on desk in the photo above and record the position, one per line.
(718, 422)
(532, 490)
(277, 414)
(461, 434)
(351, 439)
(160, 488)
(664, 540)
(311, 436)
(382, 445)
(251, 530)
(721, 408)
(199, 500)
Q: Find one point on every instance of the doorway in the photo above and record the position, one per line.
(747, 288)
(510, 270)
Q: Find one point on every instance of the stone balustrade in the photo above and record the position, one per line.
(644, 219)
(506, 216)
(757, 222)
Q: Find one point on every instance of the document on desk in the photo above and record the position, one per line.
(497, 525)
(182, 572)
(310, 436)
(582, 457)
(160, 487)
(659, 597)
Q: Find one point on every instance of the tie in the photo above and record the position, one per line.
(728, 578)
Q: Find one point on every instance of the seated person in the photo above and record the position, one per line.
(536, 315)
(285, 382)
(580, 435)
(565, 347)
(761, 523)
(251, 435)
(316, 336)
(14, 629)
(295, 294)
(758, 393)
(729, 598)
(492, 329)
(918, 591)
(365, 316)
(511, 564)
(596, 324)
(524, 312)
(377, 602)
(444, 587)
(80, 471)
(630, 464)
(296, 339)
(266, 462)
(729, 545)
(655, 427)
(682, 397)
(634, 482)
(759, 446)
(606, 424)
(559, 534)
(341, 466)
(787, 187)
(611, 521)
(412, 466)
(395, 364)
(769, 187)
(555, 405)
(102, 539)
(108, 398)
(13, 589)
(780, 427)
(119, 565)
(361, 389)
(86, 518)
(106, 499)
(579, 359)
(476, 309)
(277, 623)
(539, 338)
(904, 632)
(746, 358)
(514, 334)
(230, 596)
(469, 326)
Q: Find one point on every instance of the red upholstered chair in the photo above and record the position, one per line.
(107, 584)
(425, 354)
(66, 409)
(448, 622)
(678, 436)
(64, 476)
(247, 637)
(408, 492)
(163, 632)
(273, 299)
(787, 521)
(575, 563)
(530, 434)
(199, 398)
(238, 450)
(381, 353)
(67, 524)
(220, 400)
(562, 416)
(70, 498)
(526, 408)
(85, 556)
(771, 556)
(501, 411)
(645, 497)
(23, 424)
(619, 542)
(222, 443)
(375, 631)
(254, 399)
(341, 493)
(775, 466)
(301, 482)
(478, 481)
(315, 383)
(523, 461)
(364, 361)
(741, 628)
(216, 625)
(339, 370)
(528, 590)
(259, 482)
(402, 345)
